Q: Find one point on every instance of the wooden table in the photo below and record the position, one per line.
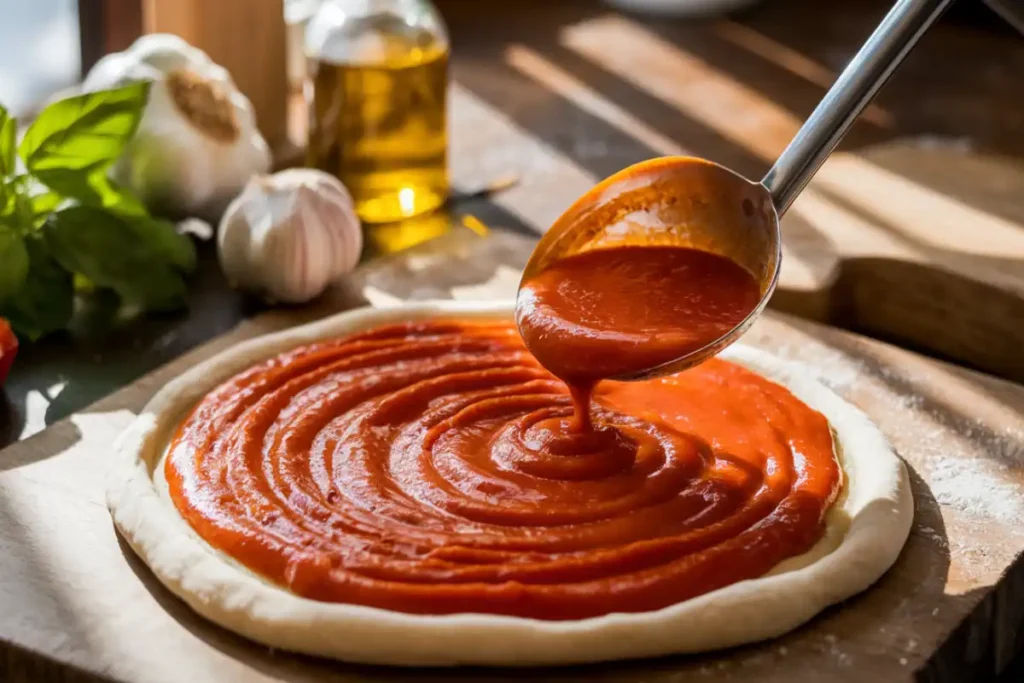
(79, 606)
(542, 90)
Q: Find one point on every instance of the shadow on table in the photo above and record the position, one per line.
(82, 371)
(67, 371)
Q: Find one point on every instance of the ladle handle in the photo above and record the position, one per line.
(856, 86)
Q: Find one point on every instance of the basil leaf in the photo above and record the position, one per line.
(85, 133)
(8, 131)
(11, 199)
(165, 240)
(44, 302)
(113, 253)
(15, 208)
(116, 198)
(43, 204)
(91, 186)
(13, 262)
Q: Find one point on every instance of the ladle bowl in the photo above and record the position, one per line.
(692, 202)
(720, 212)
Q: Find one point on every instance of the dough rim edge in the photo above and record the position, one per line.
(745, 612)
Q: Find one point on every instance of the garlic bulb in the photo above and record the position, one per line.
(290, 235)
(197, 144)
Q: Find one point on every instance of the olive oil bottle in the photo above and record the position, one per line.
(377, 93)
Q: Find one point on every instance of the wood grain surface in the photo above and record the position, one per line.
(913, 232)
(79, 606)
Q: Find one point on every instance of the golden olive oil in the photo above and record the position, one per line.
(378, 122)
(391, 238)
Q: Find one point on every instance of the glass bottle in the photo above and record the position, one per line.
(377, 101)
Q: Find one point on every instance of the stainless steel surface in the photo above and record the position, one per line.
(691, 202)
(866, 73)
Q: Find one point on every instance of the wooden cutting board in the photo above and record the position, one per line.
(914, 232)
(78, 606)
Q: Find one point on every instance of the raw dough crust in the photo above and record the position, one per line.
(865, 531)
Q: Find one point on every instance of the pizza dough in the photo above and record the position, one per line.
(865, 530)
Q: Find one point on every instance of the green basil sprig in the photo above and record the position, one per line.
(63, 219)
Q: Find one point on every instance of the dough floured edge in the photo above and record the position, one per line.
(876, 510)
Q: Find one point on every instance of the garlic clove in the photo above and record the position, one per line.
(117, 69)
(249, 155)
(197, 144)
(236, 235)
(166, 176)
(241, 160)
(290, 235)
(166, 52)
(291, 251)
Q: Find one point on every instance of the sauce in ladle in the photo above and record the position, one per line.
(615, 312)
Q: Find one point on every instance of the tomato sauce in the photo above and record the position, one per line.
(613, 312)
(433, 467)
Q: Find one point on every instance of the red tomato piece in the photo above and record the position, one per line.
(8, 349)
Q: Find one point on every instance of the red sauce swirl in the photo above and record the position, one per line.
(429, 468)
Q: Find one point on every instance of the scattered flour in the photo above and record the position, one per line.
(834, 648)
(934, 535)
(840, 371)
(979, 487)
(833, 368)
(974, 487)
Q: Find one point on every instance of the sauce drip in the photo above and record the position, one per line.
(618, 311)
(429, 468)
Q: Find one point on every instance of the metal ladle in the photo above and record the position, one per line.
(691, 202)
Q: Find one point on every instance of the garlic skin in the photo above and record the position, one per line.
(290, 235)
(197, 144)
